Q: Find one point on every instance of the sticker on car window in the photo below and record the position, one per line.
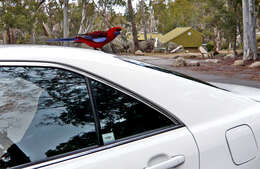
(108, 138)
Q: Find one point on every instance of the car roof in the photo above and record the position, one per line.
(190, 101)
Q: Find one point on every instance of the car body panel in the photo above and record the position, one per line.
(207, 112)
(250, 92)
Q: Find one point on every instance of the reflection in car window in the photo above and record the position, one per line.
(122, 116)
(43, 112)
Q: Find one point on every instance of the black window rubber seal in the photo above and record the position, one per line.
(95, 112)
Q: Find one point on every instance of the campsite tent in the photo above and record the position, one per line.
(185, 36)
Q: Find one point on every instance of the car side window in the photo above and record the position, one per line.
(123, 116)
(44, 112)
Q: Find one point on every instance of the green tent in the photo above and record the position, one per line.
(185, 36)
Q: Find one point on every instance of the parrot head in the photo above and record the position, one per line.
(115, 30)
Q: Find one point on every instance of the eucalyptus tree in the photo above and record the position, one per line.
(105, 9)
(82, 27)
(132, 18)
(20, 18)
(65, 21)
(144, 18)
(232, 23)
(249, 27)
(65, 4)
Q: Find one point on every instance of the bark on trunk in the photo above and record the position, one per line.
(252, 29)
(4, 37)
(33, 32)
(153, 22)
(246, 49)
(11, 36)
(235, 44)
(65, 21)
(46, 29)
(33, 39)
(82, 28)
(106, 20)
(249, 23)
(144, 20)
(240, 32)
(217, 39)
(235, 9)
(134, 31)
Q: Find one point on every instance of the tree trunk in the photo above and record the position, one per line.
(235, 30)
(252, 29)
(144, 20)
(246, 49)
(11, 36)
(134, 31)
(249, 23)
(240, 32)
(105, 19)
(217, 39)
(33, 39)
(33, 32)
(65, 21)
(257, 15)
(82, 28)
(153, 23)
(235, 44)
(47, 30)
(90, 23)
(4, 37)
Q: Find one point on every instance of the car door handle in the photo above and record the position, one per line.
(171, 163)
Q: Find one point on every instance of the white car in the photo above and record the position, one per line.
(69, 108)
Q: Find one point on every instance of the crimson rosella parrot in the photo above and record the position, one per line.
(95, 39)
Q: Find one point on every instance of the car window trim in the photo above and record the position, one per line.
(97, 148)
(94, 110)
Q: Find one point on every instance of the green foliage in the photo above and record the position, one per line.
(109, 4)
(20, 15)
(210, 46)
(225, 45)
(172, 14)
(225, 15)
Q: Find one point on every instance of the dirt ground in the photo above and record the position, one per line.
(225, 67)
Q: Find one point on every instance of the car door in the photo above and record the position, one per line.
(134, 135)
(54, 117)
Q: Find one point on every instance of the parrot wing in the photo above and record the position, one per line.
(97, 36)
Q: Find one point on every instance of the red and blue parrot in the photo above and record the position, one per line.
(95, 39)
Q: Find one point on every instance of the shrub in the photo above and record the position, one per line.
(210, 46)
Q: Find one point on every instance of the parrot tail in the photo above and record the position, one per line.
(62, 40)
